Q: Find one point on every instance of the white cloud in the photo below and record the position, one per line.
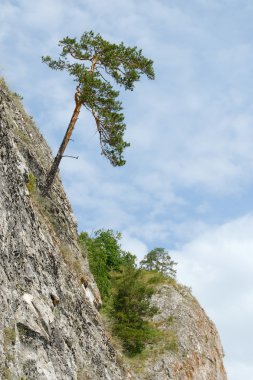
(133, 245)
(218, 265)
(239, 370)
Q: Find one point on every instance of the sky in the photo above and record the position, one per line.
(187, 183)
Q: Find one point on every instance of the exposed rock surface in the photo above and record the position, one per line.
(50, 327)
(194, 350)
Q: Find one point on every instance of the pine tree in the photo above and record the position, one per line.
(105, 255)
(131, 308)
(93, 62)
(159, 259)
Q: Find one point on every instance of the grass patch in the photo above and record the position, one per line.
(73, 263)
(4, 86)
(13, 96)
(16, 100)
(20, 97)
(31, 184)
(83, 374)
(9, 336)
(154, 279)
(166, 342)
(46, 211)
(44, 208)
(170, 320)
(22, 136)
(6, 374)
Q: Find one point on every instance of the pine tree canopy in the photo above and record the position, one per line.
(159, 260)
(93, 62)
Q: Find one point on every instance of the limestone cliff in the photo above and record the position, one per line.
(50, 327)
(192, 350)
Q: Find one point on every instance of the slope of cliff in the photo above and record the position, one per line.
(191, 349)
(50, 326)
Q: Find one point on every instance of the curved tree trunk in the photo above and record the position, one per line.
(52, 173)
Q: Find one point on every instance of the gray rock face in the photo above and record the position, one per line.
(193, 350)
(50, 327)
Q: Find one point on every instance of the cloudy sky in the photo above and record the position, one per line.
(187, 184)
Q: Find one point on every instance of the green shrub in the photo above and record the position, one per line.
(97, 262)
(126, 291)
(130, 310)
(105, 255)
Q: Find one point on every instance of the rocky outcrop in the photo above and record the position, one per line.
(50, 327)
(49, 324)
(191, 349)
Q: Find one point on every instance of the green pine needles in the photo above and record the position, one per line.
(93, 63)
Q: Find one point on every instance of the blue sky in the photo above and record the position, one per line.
(187, 184)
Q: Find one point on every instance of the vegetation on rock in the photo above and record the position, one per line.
(105, 255)
(159, 260)
(130, 309)
(126, 290)
(31, 183)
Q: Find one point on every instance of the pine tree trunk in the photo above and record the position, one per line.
(52, 173)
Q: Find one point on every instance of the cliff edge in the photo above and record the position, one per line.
(192, 349)
(50, 326)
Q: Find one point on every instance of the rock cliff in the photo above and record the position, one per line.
(192, 350)
(50, 327)
(49, 324)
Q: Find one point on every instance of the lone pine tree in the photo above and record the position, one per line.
(93, 62)
(159, 260)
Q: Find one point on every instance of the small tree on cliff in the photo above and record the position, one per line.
(159, 259)
(93, 62)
